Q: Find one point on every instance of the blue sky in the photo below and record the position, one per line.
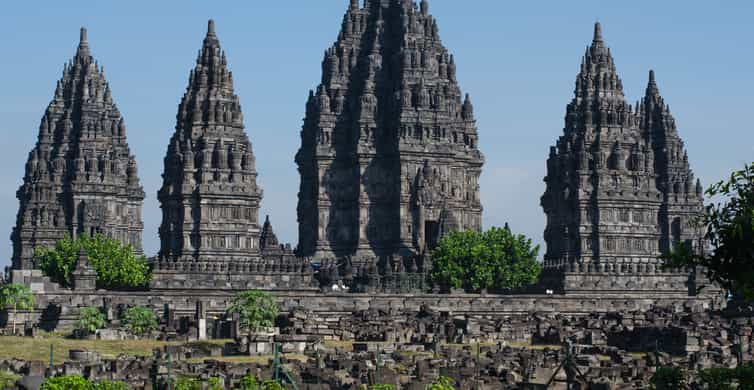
(518, 60)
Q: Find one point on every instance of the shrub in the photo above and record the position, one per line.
(67, 382)
(256, 309)
(717, 378)
(382, 387)
(91, 319)
(495, 259)
(668, 378)
(140, 320)
(444, 383)
(111, 385)
(8, 380)
(248, 382)
(116, 264)
(16, 297)
(215, 383)
(272, 385)
(184, 383)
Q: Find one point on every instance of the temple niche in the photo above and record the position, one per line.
(620, 190)
(81, 177)
(389, 157)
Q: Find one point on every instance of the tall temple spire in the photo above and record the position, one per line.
(209, 197)
(619, 188)
(389, 102)
(81, 177)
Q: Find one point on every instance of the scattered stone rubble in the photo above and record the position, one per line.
(410, 350)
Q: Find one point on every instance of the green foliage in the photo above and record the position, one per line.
(91, 319)
(444, 383)
(139, 320)
(67, 382)
(116, 264)
(185, 383)
(272, 385)
(495, 259)
(248, 382)
(16, 297)
(111, 385)
(215, 383)
(717, 378)
(668, 378)
(256, 309)
(730, 232)
(741, 377)
(8, 380)
(382, 387)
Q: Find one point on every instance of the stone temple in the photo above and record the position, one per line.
(620, 192)
(80, 177)
(210, 233)
(389, 157)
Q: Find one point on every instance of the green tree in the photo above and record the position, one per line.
(272, 385)
(717, 378)
(67, 382)
(185, 383)
(495, 259)
(16, 297)
(139, 320)
(91, 319)
(729, 226)
(256, 309)
(215, 383)
(116, 265)
(668, 378)
(443, 383)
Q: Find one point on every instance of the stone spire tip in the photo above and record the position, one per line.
(651, 76)
(211, 27)
(597, 32)
(82, 37)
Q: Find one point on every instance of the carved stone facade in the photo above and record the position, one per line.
(209, 196)
(80, 177)
(620, 191)
(210, 235)
(388, 159)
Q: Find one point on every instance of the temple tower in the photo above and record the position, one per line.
(389, 157)
(209, 196)
(620, 191)
(81, 177)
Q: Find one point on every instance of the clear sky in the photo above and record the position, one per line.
(518, 60)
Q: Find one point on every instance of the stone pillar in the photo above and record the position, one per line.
(84, 276)
(201, 321)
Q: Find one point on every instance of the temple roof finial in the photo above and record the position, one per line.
(211, 27)
(597, 32)
(82, 37)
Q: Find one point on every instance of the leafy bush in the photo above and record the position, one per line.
(111, 385)
(668, 378)
(382, 387)
(495, 259)
(717, 378)
(116, 264)
(444, 383)
(256, 309)
(67, 382)
(215, 383)
(8, 380)
(184, 383)
(91, 319)
(248, 382)
(16, 297)
(140, 320)
(272, 385)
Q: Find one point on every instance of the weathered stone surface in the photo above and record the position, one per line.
(81, 177)
(620, 191)
(388, 159)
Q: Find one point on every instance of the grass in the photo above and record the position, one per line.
(341, 344)
(38, 349)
